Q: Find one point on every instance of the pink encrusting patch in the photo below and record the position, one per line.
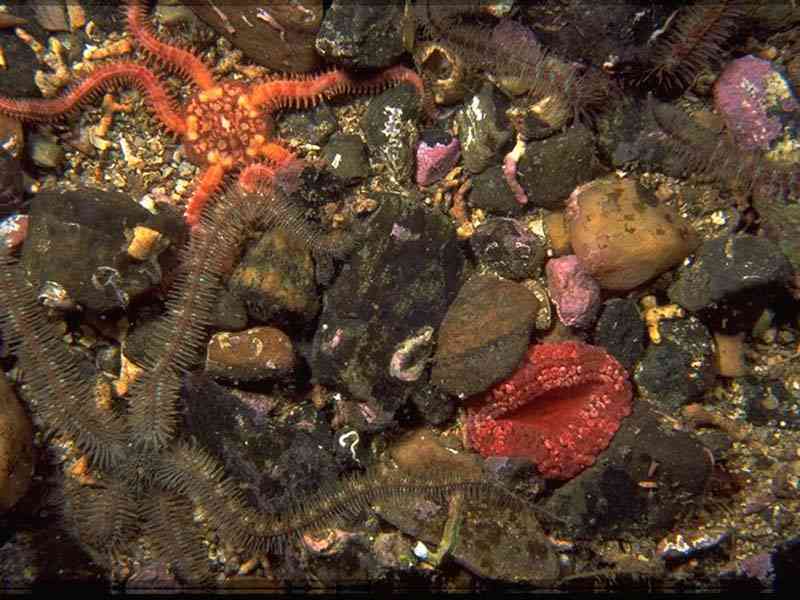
(561, 408)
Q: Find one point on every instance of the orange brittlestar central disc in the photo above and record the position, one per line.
(221, 130)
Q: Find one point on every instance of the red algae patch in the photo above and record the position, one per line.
(560, 409)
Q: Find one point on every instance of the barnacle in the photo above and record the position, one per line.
(443, 71)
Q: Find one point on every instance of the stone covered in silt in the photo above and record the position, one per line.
(623, 235)
(401, 279)
(390, 128)
(681, 367)
(276, 279)
(484, 335)
(361, 34)
(76, 244)
(279, 36)
(507, 248)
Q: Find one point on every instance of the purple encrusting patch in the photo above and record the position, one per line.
(435, 161)
(573, 290)
(756, 102)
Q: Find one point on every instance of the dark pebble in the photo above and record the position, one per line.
(629, 136)
(606, 501)
(506, 248)
(621, 330)
(346, 158)
(769, 400)
(435, 406)
(361, 34)
(491, 192)
(541, 169)
(313, 126)
(274, 460)
(680, 368)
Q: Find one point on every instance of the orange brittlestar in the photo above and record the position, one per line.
(225, 126)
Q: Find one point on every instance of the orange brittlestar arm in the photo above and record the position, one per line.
(304, 92)
(276, 153)
(256, 175)
(183, 61)
(98, 81)
(208, 184)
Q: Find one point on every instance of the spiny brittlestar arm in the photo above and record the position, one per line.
(183, 61)
(100, 80)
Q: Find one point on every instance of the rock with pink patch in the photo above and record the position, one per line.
(758, 104)
(573, 290)
(435, 157)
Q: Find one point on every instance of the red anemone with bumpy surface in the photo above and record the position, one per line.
(561, 408)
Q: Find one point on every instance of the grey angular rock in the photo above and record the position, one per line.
(483, 130)
(728, 268)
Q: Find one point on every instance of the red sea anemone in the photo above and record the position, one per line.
(560, 409)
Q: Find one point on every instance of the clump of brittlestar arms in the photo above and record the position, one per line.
(225, 127)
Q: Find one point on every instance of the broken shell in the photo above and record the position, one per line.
(144, 243)
(54, 295)
(76, 15)
(542, 118)
(443, 70)
(682, 546)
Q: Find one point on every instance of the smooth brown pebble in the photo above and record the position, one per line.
(623, 235)
(251, 355)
